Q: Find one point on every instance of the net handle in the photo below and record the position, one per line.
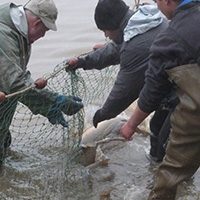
(34, 85)
(47, 78)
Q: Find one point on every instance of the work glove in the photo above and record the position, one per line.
(66, 104)
(98, 117)
(55, 116)
(70, 105)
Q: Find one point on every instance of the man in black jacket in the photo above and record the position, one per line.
(174, 62)
(132, 33)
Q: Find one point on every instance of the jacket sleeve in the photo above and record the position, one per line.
(130, 79)
(100, 58)
(122, 94)
(12, 75)
(38, 101)
(157, 85)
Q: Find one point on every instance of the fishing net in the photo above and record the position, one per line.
(43, 161)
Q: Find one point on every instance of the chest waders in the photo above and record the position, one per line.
(182, 155)
(7, 110)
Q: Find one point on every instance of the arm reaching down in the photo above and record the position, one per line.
(129, 128)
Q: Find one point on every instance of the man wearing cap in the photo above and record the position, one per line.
(20, 26)
(132, 33)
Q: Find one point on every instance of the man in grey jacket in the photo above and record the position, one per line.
(132, 33)
(20, 26)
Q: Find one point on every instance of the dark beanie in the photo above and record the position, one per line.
(109, 13)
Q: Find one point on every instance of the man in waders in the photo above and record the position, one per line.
(174, 62)
(20, 26)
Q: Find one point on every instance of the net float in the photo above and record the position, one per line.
(2, 97)
(40, 83)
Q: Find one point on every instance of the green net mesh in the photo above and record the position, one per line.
(43, 161)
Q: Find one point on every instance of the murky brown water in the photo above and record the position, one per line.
(128, 171)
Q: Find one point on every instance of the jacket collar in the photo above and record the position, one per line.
(120, 36)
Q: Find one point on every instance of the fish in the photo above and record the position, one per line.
(106, 132)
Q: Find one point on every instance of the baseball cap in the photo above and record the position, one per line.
(44, 9)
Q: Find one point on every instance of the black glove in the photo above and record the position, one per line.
(98, 117)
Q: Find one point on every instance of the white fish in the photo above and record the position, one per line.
(106, 131)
